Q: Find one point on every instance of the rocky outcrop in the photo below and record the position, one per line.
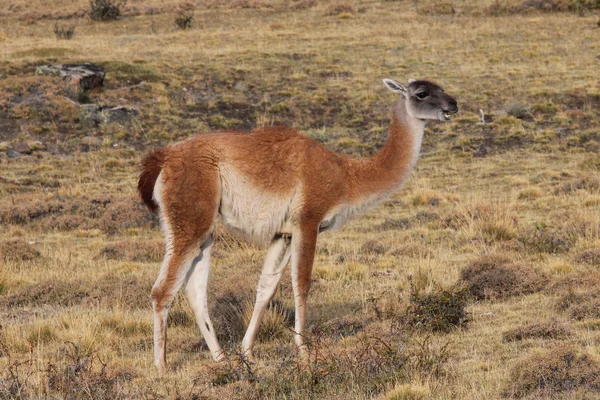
(86, 76)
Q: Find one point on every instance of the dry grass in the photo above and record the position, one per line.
(79, 254)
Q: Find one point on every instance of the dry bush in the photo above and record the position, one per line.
(304, 4)
(580, 305)
(18, 251)
(184, 21)
(339, 8)
(494, 276)
(549, 372)
(589, 256)
(64, 32)
(544, 330)
(106, 10)
(82, 374)
(440, 311)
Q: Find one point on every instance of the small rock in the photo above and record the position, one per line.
(91, 141)
(93, 115)
(22, 147)
(241, 87)
(13, 154)
(86, 75)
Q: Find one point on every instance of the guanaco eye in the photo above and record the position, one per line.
(422, 95)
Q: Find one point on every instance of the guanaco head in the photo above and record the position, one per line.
(424, 99)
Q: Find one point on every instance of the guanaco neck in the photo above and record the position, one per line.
(377, 176)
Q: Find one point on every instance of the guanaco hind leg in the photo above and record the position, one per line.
(196, 293)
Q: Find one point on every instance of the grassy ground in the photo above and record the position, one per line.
(503, 215)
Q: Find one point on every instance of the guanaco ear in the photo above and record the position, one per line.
(394, 86)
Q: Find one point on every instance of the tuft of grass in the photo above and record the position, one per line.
(496, 276)
(407, 391)
(64, 32)
(551, 372)
(41, 334)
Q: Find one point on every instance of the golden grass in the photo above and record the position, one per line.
(75, 271)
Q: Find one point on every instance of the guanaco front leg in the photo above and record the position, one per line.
(276, 259)
(304, 240)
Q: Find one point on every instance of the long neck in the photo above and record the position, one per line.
(377, 176)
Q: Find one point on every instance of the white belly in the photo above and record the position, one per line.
(255, 214)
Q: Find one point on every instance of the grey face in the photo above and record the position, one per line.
(425, 100)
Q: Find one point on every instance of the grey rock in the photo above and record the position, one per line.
(241, 87)
(86, 75)
(22, 148)
(91, 116)
(13, 154)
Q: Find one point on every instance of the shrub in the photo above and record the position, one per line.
(184, 21)
(546, 330)
(494, 276)
(64, 32)
(559, 370)
(439, 311)
(580, 306)
(106, 10)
